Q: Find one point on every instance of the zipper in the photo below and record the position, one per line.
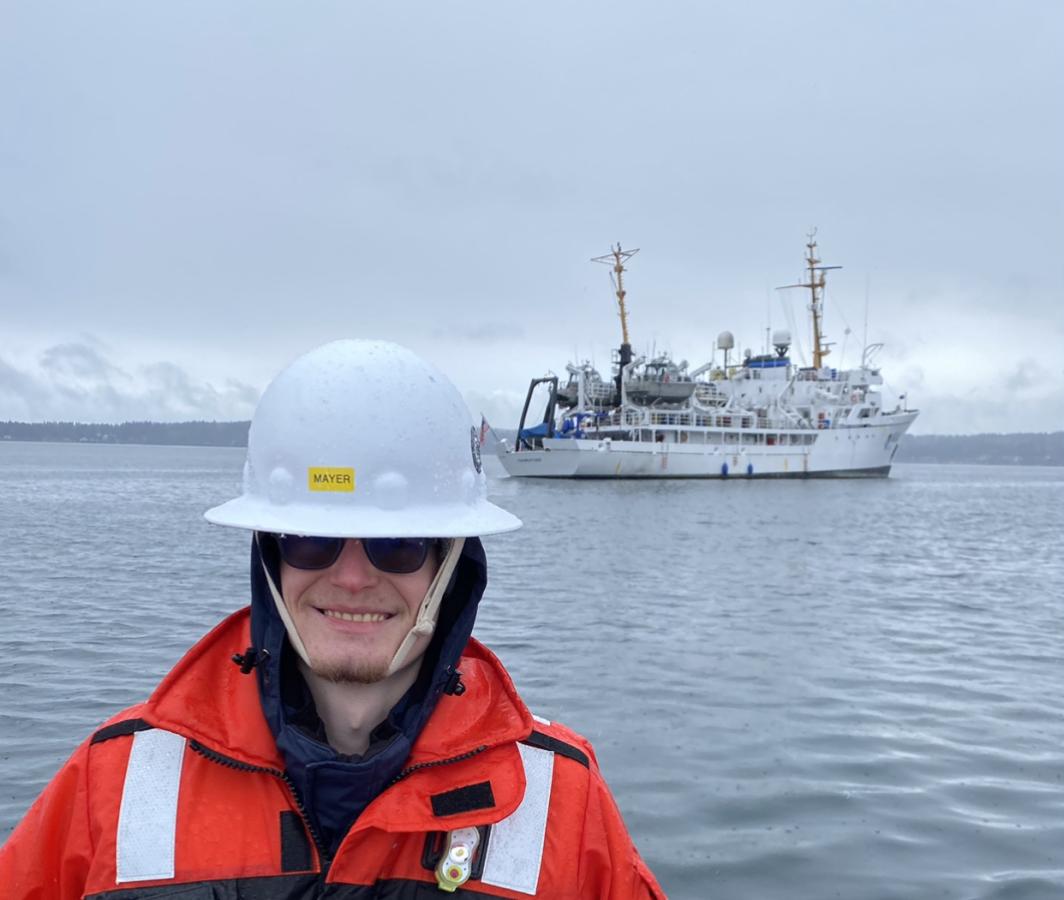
(439, 762)
(324, 859)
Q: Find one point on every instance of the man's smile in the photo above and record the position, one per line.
(355, 616)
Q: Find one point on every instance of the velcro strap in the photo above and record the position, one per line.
(120, 729)
(546, 742)
(463, 799)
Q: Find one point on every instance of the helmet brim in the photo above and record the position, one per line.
(444, 521)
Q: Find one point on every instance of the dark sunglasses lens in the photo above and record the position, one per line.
(304, 552)
(399, 556)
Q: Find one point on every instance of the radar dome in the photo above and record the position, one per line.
(725, 340)
(781, 336)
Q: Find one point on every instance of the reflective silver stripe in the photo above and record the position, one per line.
(515, 848)
(147, 821)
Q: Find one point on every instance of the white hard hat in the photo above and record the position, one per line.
(363, 439)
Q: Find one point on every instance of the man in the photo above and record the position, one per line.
(345, 737)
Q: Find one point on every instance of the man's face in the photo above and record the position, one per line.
(352, 616)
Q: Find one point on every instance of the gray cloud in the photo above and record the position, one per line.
(81, 361)
(250, 180)
(20, 392)
(986, 410)
(77, 382)
(1026, 374)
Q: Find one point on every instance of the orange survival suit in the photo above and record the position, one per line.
(187, 797)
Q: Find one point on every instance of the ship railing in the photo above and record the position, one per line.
(733, 421)
(670, 418)
(728, 419)
(612, 420)
(688, 419)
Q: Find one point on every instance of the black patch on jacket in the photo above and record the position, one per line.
(463, 799)
(119, 729)
(295, 846)
(546, 742)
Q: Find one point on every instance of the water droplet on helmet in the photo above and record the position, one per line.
(390, 490)
(280, 485)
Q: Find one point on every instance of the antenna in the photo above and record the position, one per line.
(864, 342)
(617, 257)
(815, 284)
(768, 319)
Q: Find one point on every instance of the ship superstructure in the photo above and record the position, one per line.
(761, 416)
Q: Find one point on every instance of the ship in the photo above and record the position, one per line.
(761, 416)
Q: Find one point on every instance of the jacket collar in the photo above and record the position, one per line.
(206, 698)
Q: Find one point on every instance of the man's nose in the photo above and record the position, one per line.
(352, 569)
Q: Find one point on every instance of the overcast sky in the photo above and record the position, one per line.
(193, 193)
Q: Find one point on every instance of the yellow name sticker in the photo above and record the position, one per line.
(331, 478)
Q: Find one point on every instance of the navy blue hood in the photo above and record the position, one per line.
(335, 788)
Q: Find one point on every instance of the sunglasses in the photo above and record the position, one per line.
(396, 556)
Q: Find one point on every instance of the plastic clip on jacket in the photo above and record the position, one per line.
(456, 864)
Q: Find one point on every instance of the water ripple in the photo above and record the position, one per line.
(796, 690)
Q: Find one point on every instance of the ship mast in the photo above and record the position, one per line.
(617, 257)
(815, 284)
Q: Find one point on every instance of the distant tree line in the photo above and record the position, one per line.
(192, 434)
(986, 449)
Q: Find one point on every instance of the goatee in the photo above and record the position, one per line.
(352, 672)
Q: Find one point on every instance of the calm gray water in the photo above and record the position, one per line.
(797, 690)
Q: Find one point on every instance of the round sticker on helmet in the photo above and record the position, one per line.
(474, 446)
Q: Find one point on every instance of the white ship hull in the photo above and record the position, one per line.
(843, 451)
(765, 417)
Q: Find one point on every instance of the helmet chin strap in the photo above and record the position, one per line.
(429, 611)
(293, 636)
(427, 614)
